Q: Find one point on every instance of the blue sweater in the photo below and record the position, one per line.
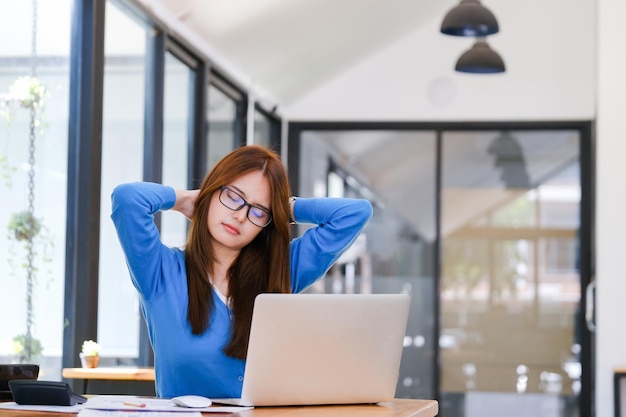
(195, 364)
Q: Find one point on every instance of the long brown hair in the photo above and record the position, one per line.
(262, 266)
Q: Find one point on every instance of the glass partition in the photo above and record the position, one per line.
(394, 253)
(510, 281)
(485, 229)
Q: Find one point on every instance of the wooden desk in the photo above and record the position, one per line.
(114, 373)
(395, 408)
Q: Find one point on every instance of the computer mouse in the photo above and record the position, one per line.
(192, 401)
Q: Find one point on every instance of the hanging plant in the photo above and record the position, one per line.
(20, 348)
(26, 92)
(28, 230)
(24, 226)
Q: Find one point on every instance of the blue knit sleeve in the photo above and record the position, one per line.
(133, 209)
(338, 222)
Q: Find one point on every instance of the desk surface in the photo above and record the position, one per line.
(395, 408)
(115, 373)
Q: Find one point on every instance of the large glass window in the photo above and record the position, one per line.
(222, 121)
(176, 121)
(122, 161)
(262, 129)
(34, 91)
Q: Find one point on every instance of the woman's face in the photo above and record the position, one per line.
(232, 229)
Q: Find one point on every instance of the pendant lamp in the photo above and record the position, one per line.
(469, 18)
(480, 59)
(509, 160)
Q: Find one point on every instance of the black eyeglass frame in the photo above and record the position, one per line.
(244, 204)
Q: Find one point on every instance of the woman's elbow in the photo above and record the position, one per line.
(366, 210)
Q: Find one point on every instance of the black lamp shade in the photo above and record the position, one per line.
(469, 18)
(480, 59)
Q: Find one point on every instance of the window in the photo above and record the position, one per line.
(34, 294)
(224, 125)
(122, 161)
(176, 115)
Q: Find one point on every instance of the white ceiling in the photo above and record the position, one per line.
(289, 48)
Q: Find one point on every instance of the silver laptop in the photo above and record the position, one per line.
(323, 349)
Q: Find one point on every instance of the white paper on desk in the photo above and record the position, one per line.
(116, 403)
(52, 408)
(86, 412)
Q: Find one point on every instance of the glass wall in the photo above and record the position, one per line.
(394, 253)
(486, 230)
(262, 129)
(176, 140)
(222, 116)
(34, 91)
(122, 161)
(267, 129)
(510, 280)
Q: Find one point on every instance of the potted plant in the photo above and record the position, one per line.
(90, 354)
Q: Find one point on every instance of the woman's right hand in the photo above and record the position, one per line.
(186, 202)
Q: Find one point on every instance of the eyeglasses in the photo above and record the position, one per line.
(233, 200)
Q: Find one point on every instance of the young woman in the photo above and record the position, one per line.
(198, 301)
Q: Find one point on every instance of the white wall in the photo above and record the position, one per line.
(610, 200)
(548, 48)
